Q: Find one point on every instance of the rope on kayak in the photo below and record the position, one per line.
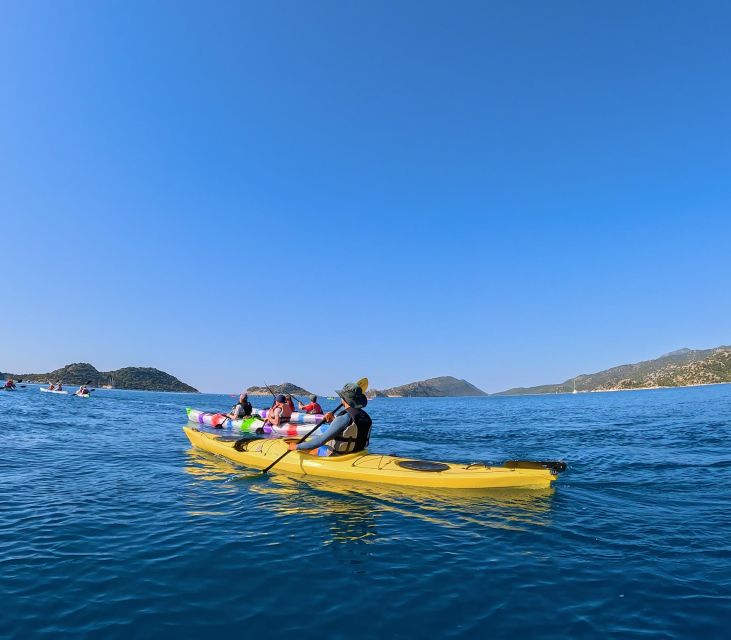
(554, 466)
(380, 465)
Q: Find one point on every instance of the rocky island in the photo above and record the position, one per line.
(285, 388)
(681, 368)
(441, 387)
(139, 378)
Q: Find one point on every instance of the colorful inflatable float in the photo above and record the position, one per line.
(255, 424)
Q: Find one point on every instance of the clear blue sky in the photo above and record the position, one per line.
(509, 192)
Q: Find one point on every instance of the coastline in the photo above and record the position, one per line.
(571, 393)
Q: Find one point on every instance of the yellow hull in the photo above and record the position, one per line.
(369, 467)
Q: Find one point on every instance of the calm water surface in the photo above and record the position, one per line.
(113, 527)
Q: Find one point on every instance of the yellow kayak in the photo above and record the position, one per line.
(374, 467)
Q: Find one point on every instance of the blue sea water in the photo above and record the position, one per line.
(113, 527)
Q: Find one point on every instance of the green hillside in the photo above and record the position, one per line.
(679, 368)
(141, 378)
(443, 386)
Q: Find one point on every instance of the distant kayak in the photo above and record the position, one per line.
(63, 393)
(80, 395)
(381, 469)
(247, 425)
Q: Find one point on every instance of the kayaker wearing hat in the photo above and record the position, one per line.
(280, 412)
(242, 409)
(312, 407)
(348, 432)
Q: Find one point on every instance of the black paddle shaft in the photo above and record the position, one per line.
(302, 439)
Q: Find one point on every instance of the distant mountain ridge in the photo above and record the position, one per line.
(680, 368)
(443, 386)
(139, 378)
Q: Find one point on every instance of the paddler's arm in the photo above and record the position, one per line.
(335, 427)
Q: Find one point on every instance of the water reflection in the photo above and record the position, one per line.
(352, 509)
(350, 518)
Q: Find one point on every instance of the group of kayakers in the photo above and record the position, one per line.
(348, 431)
(83, 390)
(281, 410)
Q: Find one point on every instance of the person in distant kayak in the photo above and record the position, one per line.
(242, 409)
(312, 407)
(348, 432)
(59, 386)
(290, 402)
(280, 412)
(51, 386)
(10, 384)
(83, 390)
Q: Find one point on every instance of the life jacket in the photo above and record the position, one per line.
(241, 410)
(313, 408)
(355, 436)
(286, 412)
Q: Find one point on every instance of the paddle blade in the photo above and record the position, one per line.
(363, 384)
(247, 477)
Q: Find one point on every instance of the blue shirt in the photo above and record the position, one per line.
(318, 440)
